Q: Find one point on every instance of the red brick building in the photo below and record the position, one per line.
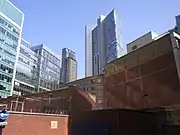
(64, 101)
(146, 78)
(93, 87)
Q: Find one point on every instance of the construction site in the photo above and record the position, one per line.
(141, 95)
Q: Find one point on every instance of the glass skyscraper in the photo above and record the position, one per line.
(112, 40)
(11, 23)
(26, 78)
(88, 50)
(48, 68)
(106, 43)
(68, 66)
(177, 24)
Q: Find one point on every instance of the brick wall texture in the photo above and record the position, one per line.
(31, 124)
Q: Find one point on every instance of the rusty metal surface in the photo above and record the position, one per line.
(145, 78)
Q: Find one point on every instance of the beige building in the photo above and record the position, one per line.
(141, 41)
(72, 69)
(68, 66)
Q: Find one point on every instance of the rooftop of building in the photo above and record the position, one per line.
(16, 18)
(101, 18)
(15, 6)
(81, 80)
(177, 16)
(69, 50)
(89, 77)
(25, 43)
(155, 39)
(142, 36)
(45, 48)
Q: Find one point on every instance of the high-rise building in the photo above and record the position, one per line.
(88, 50)
(141, 41)
(26, 78)
(11, 23)
(177, 29)
(48, 68)
(68, 66)
(106, 44)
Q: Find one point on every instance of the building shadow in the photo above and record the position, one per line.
(1, 131)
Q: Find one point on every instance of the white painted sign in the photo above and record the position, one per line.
(3, 124)
(54, 124)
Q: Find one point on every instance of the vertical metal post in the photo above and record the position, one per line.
(22, 109)
(11, 106)
(17, 99)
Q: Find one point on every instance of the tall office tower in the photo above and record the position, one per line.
(48, 68)
(88, 50)
(106, 45)
(68, 66)
(177, 29)
(26, 77)
(11, 23)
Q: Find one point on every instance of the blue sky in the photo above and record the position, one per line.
(60, 23)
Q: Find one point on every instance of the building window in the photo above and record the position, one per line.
(134, 47)
(88, 83)
(9, 26)
(89, 88)
(10, 54)
(99, 87)
(5, 78)
(92, 88)
(178, 43)
(93, 81)
(2, 30)
(6, 69)
(12, 37)
(15, 31)
(99, 80)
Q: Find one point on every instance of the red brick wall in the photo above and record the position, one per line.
(33, 124)
(146, 78)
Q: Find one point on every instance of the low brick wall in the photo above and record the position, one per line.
(36, 124)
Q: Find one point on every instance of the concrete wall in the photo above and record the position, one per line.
(35, 124)
(141, 41)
